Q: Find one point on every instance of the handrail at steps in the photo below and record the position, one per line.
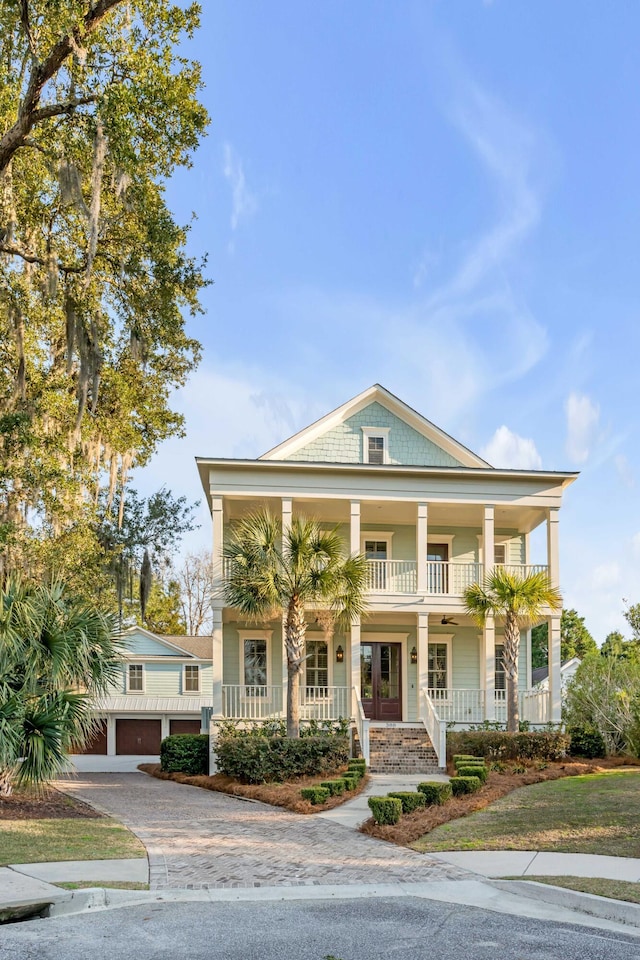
(362, 724)
(436, 728)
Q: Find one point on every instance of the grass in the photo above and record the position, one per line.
(597, 813)
(36, 841)
(107, 884)
(613, 889)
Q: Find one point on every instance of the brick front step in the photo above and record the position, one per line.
(401, 750)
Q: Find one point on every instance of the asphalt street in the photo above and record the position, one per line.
(399, 929)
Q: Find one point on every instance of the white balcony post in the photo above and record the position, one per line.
(553, 548)
(423, 653)
(354, 529)
(555, 677)
(217, 516)
(488, 671)
(287, 515)
(355, 655)
(488, 539)
(216, 655)
(422, 534)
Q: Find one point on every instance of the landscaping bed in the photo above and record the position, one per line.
(48, 803)
(417, 826)
(285, 795)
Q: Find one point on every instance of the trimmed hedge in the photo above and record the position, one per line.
(315, 794)
(358, 762)
(435, 793)
(410, 801)
(462, 785)
(185, 753)
(350, 783)
(259, 758)
(586, 743)
(464, 756)
(499, 745)
(473, 770)
(385, 809)
(335, 787)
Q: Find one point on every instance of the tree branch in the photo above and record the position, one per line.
(14, 251)
(56, 109)
(29, 112)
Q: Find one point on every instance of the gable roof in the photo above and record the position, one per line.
(200, 647)
(399, 408)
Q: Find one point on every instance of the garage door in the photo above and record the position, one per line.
(138, 737)
(184, 726)
(98, 743)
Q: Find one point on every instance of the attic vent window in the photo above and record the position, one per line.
(375, 445)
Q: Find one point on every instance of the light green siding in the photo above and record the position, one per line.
(344, 444)
(165, 679)
(142, 646)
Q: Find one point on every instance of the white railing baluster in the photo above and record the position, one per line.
(362, 724)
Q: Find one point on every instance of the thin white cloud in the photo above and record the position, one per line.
(243, 201)
(509, 450)
(606, 575)
(583, 417)
(625, 472)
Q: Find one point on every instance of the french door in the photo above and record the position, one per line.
(381, 679)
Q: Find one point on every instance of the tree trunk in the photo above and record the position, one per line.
(511, 652)
(6, 782)
(295, 630)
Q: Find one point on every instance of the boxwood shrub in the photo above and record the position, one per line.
(410, 801)
(315, 795)
(462, 785)
(185, 753)
(435, 793)
(473, 770)
(500, 745)
(385, 809)
(335, 787)
(258, 757)
(350, 783)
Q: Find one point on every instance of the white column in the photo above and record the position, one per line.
(287, 514)
(423, 654)
(216, 655)
(111, 736)
(165, 725)
(488, 668)
(422, 534)
(488, 538)
(555, 688)
(217, 517)
(355, 527)
(553, 548)
(355, 655)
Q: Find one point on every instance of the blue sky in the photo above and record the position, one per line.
(443, 198)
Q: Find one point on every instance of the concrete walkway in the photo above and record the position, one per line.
(529, 863)
(95, 871)
(356, 811)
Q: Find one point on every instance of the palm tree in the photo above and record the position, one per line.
(57, 655)
(271, 573)
(518, 601)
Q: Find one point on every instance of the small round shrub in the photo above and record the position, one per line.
(335, 787)
(473, 771)
(435, 793)
(385, 809)
(315, 795)
(586, 743)
(462, 785)
(410, 801)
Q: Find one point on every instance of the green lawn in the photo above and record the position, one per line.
(107, 884)
(35, 841)
(597, 813)
(614, 889)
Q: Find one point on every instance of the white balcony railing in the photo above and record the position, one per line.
(451, 578)
(391, 576)
(245, 702)
(534, 706)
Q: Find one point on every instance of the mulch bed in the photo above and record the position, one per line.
(285, 795)
(45, 804)
(421, 821)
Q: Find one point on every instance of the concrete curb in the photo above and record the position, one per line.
(601, 907)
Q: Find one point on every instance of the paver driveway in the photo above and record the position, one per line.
(198, 839)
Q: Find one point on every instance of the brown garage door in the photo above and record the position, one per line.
(184, 726)
(138, 737)
(98, 742)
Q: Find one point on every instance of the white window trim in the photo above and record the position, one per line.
(503, 540)
(448, 639)
(375, 432)
(255, 635)
(184, 679)
(144, 678)
(436, 538)
(320, 638)
(385, 535)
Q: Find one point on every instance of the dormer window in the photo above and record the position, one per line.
(375, 444)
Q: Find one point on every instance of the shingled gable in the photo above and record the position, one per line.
(308, 443)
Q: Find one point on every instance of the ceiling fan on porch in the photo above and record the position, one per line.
(446, 621)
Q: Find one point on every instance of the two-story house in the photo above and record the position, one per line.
(431, 517)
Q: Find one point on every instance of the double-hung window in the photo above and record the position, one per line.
(317, 664)
(438, 666)
(192, 678)
(135, 678)
(375, 444)
(500, 676)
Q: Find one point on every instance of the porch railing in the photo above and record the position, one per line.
(534, 706)
(436, 727)
(391, 576)
(362, 724)
(449, 577)
(469, 706)
(246, 702)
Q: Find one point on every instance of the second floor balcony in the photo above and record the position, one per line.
(442, 577)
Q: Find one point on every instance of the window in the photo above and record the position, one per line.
(500, 677)
(191, 678)
(438, 665)
(135, 678)
(376, 549)
(255, 662)
(375, 444)
(317, 663)
(500, 553)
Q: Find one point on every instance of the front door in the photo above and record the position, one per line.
(381, 679)
(377, 572)
(437, 557)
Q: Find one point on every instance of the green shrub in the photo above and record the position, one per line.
(355, 772)
(463, 756)
(185, 753)
(335, 787)
(499, 745)
(474, 770)
(470, 762)
(315, 794)
(462, 785)
(410, 801)
(358, 762)
(435, 793)
(252, 757)
(385, 809)
(586, 743)
(350, 783)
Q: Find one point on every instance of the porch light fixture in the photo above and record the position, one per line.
(414, 655)
(339, 654)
